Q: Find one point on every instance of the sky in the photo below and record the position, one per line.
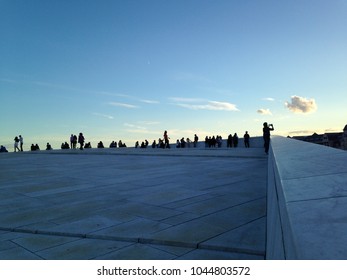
(128, 70)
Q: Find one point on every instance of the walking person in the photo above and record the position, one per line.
(81, 140)
(21, 143)
(16, 143)
(266, 135)
(166, 140)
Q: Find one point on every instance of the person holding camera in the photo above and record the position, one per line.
(266, 135)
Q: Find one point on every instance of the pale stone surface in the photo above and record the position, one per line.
(133, 204)
(307, 188)
(245, 238)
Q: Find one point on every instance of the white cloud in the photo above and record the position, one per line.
(134, 126)
(104, 116)
(129, 97)
(186, 100)
(200, 104)
(264, 112)
(301, 105)
(269, 99)
(125, 105)
(113, 94)
(225, 106)
(149, 101)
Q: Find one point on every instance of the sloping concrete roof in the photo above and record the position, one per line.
(133, 204)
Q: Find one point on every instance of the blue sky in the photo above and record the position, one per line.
(131, 69)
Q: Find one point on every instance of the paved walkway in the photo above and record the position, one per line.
(133, 204)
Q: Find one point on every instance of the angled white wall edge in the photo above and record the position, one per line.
(306, 201)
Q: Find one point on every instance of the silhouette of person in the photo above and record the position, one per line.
(235, 140)
(219, 140)
(88, 146)
(246, 139)
(65, 146)
(183, 143)
(21, 142)
(196, 139)
(212, 142)
(230, 141)
(16, 141)
(81, 140)
(266, 135)
(178, 144)
(154, 144)
(72, 141)
(188, 142)
(166, 140)
(112, 145)
(3, 149)
(100, 145)
(207, 142)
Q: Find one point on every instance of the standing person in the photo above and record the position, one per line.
(16, 141)
(74, 141)
(21, 142)
(230, 141)
(246, 139)
(266, 135)
(71, 141)
(235, 140)
(196, 139)
(207, 143)
(166, 140)
(81, 140)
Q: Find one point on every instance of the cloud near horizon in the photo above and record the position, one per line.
(301, 132)
(302, 105)
(264, 112)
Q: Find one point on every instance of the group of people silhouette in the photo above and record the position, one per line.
(164, 143)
